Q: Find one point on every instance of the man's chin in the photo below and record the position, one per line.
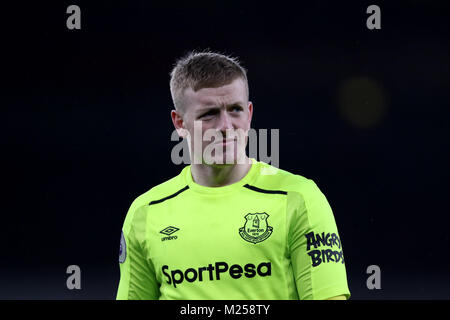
(220, 162)
(230, 161)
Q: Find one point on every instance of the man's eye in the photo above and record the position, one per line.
(207, 114)
(237, 108)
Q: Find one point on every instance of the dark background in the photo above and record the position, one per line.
(85, 129)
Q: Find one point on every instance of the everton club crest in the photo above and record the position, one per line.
(256, 228)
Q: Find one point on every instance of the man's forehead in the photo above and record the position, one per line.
(234, 92)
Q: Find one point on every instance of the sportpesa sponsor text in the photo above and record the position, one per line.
(213, 272)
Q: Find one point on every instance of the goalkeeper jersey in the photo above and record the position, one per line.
(272, 235)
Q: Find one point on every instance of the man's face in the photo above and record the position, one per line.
(221, 116)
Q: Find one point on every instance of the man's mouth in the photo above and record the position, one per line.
(228, 141)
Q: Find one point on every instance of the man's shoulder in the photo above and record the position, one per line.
(159, 192)
(273, 178)
(163, 189)
(300, 190)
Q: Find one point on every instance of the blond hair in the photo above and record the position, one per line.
(204, 69)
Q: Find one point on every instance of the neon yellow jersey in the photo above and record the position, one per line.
(268, 236)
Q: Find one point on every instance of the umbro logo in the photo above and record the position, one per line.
(168, 231)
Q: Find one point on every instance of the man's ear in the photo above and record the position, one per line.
(250, 114)
(178, 123)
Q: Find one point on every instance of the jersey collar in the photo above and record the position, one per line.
(247, 179)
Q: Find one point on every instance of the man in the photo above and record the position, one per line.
(224, 228)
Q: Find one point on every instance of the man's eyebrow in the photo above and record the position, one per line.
(213, 106)
(237, 103)
(206, 109)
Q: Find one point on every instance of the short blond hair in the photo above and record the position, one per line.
(204, 69)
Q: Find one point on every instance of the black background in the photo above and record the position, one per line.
(85, 129)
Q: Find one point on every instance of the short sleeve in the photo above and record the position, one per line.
(315, 246)
(137, 274)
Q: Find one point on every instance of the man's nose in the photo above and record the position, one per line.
(225, 122)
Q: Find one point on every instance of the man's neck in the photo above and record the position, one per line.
(219, 175)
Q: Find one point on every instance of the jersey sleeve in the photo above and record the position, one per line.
(315, 247)
(137, 274)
